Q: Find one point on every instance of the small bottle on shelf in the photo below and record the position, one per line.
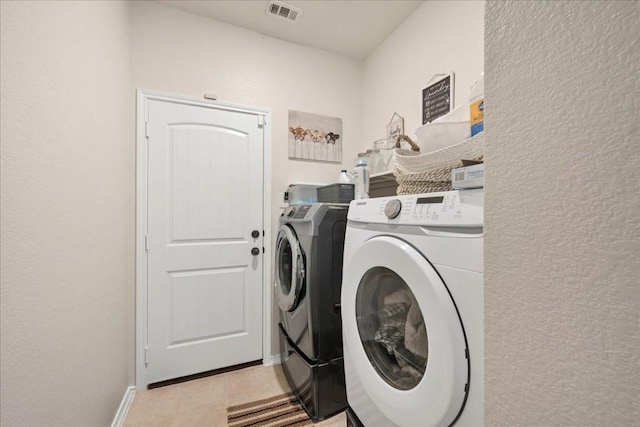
(361, 174)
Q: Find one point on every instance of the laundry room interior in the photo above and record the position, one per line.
(519, 296)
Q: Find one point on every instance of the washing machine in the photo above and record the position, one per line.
(412, 310)
(308, 273)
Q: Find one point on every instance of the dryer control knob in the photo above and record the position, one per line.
(392, 209)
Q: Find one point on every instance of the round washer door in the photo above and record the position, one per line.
(405, 338)
(290, 271)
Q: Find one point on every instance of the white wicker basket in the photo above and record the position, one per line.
(424, 173)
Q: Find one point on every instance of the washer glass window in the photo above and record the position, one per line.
(391, 328)
(285, 265)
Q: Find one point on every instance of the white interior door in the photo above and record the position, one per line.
(204, 284)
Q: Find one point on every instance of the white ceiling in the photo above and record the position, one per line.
(350, 28)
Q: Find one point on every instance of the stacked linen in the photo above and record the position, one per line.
(402, 332)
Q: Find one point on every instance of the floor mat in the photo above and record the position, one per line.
(278, 411)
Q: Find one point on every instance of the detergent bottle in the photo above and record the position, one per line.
(476, 106)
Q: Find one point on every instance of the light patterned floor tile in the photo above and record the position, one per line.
(339, 420)
(208, 390)
(194, 414)
(156, 407)
(249, 384)
(279, 384)
(203, 402)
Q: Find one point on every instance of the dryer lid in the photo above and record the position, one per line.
(290, 269)
(411, 360)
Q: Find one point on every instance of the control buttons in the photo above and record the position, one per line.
(392, 209)
(288, 211)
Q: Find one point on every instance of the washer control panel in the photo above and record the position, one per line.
(296, 211)
(462, 208)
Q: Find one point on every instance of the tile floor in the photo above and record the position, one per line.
(203, 402)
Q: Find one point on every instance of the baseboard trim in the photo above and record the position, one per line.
(275, 359)
(129, 394)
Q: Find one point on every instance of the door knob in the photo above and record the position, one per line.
(255, 251)
(255, 234)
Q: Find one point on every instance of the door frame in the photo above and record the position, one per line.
(142, 117)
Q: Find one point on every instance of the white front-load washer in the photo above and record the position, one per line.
(412, 310)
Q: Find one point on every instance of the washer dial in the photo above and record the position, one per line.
(392, 209)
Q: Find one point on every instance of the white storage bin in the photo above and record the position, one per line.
(298, 194)
(445, 131)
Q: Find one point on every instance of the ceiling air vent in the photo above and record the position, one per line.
(283, 10)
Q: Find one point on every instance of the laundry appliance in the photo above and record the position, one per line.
(412, 310)
(308, 267)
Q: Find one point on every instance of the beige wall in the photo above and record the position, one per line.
(439, 37)
(561, 254)
(67, 181)
(562, 223)
(177, 52)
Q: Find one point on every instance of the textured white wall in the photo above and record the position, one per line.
(439, 37)
(67, 218)
(177, 52)
(562, 223)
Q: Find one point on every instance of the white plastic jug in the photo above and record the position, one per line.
(345, 177)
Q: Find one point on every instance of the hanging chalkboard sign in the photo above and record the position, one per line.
(437, 97)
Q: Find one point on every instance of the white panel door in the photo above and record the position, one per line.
(204, 289)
